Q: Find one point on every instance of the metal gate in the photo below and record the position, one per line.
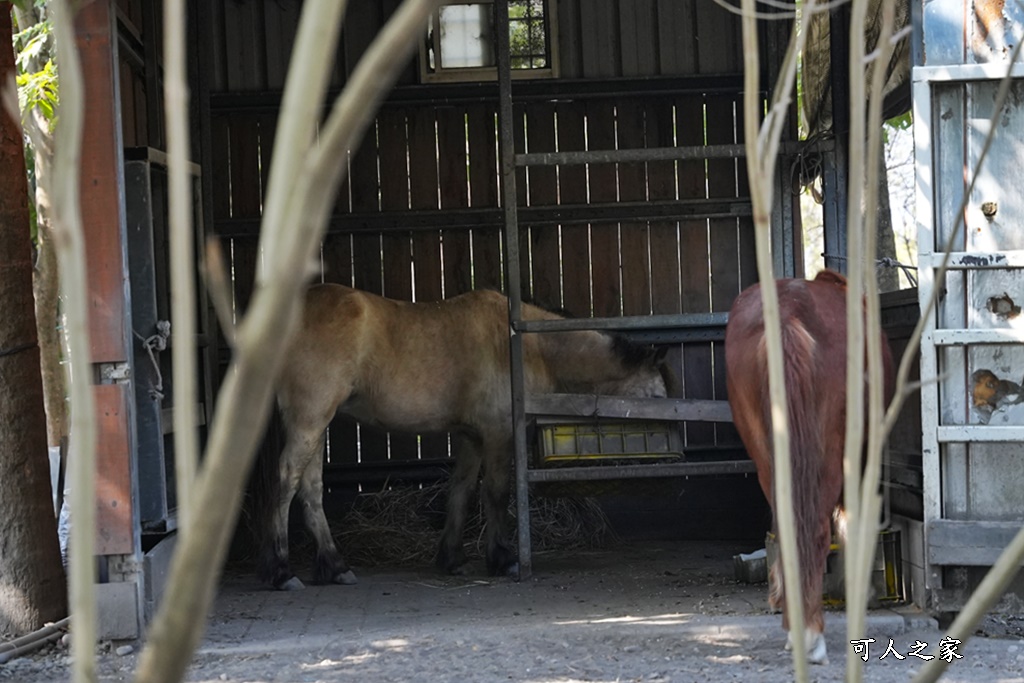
(972, 350)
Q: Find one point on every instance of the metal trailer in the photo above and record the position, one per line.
(969, 218)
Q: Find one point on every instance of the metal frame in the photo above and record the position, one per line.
(666, 328)
(954, 536)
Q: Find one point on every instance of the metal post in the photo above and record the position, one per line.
(508, 197)
(835, 180)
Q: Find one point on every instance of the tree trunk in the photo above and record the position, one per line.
(888, 276)
(46, 287)
(33, 589)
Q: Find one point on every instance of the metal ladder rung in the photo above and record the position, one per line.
(973, 260)
(944, 337)
(980, 434)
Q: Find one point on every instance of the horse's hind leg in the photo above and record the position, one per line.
(501, 557)
(300, 447)
(451, 557)
(330, 566)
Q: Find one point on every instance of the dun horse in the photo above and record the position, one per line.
(427, 367)
(813, 315)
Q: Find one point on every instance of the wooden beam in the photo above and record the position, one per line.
(101, 182)
(968, 543)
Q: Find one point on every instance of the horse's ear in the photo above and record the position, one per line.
(659, 354)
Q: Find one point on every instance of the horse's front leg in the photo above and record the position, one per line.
(501, 556)
(330, 566)
(451, 557)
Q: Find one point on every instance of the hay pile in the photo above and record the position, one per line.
(401, 526)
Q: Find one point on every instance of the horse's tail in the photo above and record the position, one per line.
(807, 464)
(264, 492)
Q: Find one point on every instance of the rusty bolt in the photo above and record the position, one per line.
(989, 209)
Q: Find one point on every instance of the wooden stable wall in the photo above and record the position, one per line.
(419, 217)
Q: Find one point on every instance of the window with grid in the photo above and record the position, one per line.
(460, 46)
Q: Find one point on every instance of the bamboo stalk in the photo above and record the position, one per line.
(69, 241)
(183, 288)
(863, 327)
(762, 144)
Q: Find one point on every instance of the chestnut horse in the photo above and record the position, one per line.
(427, 367)
(813, 315)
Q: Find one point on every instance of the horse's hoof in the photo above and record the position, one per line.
(345, 578)
(817, 651)
(292, 584)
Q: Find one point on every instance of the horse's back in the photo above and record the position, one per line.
(423, 366)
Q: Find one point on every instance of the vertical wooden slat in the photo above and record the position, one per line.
(281, 19)
(394, 196)
(638, 28)
(243, 43)
(677, 37)
(570, 40)
(722, 178)
(664, 236)
(695, 276)
(127, 106)
(367, 263)
(519, 146)
(722, 182)
(218, 47)
(245, 202)
(397, 246)
(604, 237)
(540, 125)
(268, 133)
(342, 435)
(366, 246)
(220, 139)
(483, 192)
(599, 31)
(636, 286)
(666, 266)
(451, 168)
(362, 23)
(572, 189)
(426, 244)
(720, 49)
(141, 110)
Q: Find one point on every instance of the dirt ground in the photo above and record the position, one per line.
(651, 612)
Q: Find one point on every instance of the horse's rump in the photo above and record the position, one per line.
(813, 322)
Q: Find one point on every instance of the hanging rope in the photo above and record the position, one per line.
(154, 344)
(807, 169)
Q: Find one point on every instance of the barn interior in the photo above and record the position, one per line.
(632, 212)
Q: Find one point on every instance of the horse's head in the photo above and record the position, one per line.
(644, 373)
